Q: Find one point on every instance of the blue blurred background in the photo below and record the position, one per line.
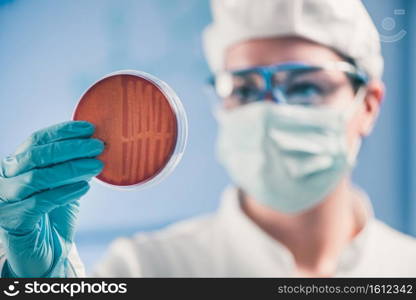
(51, 51)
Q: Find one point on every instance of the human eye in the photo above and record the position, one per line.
(304, 93)
(247, 87)
(245, 93)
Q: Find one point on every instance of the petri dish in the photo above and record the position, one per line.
(143, 124)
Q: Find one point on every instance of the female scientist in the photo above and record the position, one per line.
(299, 83)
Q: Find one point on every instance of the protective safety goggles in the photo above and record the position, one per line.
(290, 83)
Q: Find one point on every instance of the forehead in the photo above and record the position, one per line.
(266, 51)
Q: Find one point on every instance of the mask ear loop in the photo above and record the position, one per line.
(358, 100)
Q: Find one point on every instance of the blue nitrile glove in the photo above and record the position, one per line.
(40, 187)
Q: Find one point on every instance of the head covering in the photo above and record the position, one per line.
(344, 26)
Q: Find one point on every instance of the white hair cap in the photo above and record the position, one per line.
(344, 26)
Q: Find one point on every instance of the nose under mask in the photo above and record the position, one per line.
(287, 157)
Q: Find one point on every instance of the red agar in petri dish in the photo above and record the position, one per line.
(136, 116)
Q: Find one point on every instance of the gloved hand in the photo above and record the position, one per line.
(40, 187)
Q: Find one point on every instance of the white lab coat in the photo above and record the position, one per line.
(228, 244)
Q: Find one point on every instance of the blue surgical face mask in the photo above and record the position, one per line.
(287, 157)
